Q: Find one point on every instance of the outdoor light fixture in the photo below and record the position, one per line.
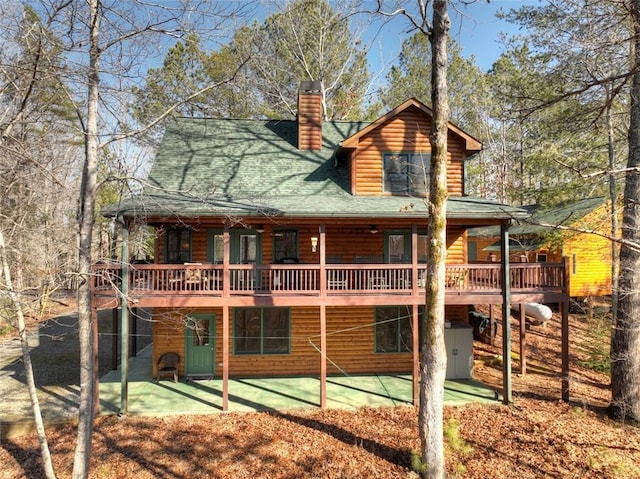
(314, 243)
(260, 229)
(373, 229)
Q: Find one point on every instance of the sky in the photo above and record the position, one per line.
(473, 26)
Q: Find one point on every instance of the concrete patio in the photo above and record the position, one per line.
(147, 397)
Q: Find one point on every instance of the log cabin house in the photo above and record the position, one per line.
(576, 230)
(298, 247)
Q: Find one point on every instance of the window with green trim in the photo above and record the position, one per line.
(406, 173)
(398, 247)
(261, 331)
(393, 328)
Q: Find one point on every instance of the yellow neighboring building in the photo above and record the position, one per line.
(536, 241)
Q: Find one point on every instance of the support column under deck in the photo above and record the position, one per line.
(323, 356)
(507, 392)
(523, 340)
(416, 355)
(226, 252)
(124, 325)
(225, 358)
(323, 319)
(564, 311)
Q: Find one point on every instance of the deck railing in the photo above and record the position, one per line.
(305, 279)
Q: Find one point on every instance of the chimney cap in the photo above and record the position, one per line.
(310, 86)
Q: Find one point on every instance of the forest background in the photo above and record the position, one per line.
(82, 116)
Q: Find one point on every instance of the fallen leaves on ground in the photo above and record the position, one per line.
(538, 436)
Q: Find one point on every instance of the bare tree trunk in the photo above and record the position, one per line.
(86, 219)
(613, 197)
(434, 356)
(625, 346)
(28, 367)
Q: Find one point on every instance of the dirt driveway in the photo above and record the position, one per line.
(55, 356)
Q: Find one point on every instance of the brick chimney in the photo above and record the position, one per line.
(310, 115)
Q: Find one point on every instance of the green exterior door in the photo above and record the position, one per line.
(200, 350)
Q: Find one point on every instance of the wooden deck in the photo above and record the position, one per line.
(304, 284)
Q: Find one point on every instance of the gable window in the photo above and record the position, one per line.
(393, 329)
(406, 173)
(178, 245)
(285, 245)
(261, 331)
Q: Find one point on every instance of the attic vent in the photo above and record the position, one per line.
(310, 115)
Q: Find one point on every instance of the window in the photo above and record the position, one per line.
(215, 246)
(472, 251)
(285, 245)
(248, 249)
(393, 329)
(178, 246)
(406, 173)
(398, 247)
(541, 257)
(261, 331)
(423, 243)
(200, 332)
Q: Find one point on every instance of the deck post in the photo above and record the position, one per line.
(415, 324)
(564, 311)
(323, 264)
(523, 341)
(114, 338)
(226, 259)
(124, 324)
(416, 355)
(492, 329)
(226, 287)
(96, 361)
(507, 393)
(323, 356)
(225, 358)
(323, 320)
(133, 336)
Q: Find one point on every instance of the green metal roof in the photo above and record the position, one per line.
(338, 206)
(248, 158)
(217, 167)
(565, 214)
